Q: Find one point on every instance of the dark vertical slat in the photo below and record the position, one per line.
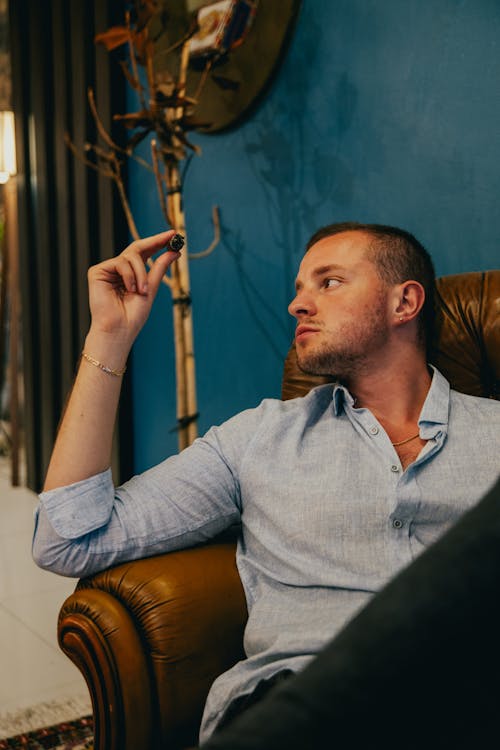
(80, 42)
(101, 89)
(42, 166)
(21, 60)
(12, 237)
(68, 219)
(93, 193)
(63, 196)
(118, 104)
(105, 187)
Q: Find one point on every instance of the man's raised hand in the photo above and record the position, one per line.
(122, 289)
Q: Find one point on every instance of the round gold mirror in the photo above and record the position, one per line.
(235, 48)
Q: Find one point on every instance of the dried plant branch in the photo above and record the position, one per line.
(216, 239)
(159, 182)
(108, 157)
(161, 197)
(97, 167)
(100, 127)
(112, 171)
(179, 43)
(167, 281)
(133, 62)
(137, 159)
(126, 207)
(203, 80)
(167, 113)
(181, 86)
(150, 76)
(107, 138)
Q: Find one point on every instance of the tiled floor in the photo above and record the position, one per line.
(34, 670)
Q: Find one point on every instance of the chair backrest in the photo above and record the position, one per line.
(466, 347)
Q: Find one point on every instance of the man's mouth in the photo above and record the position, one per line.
(302, 332)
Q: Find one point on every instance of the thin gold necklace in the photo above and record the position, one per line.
(402, 442)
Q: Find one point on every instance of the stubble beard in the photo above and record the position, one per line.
(347, 351)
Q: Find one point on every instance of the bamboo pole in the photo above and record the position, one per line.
(181, 307)
(172, 148)
(181, 289)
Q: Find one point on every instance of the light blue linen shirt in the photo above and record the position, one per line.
(327, 513)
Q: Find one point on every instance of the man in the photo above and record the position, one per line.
(416, 668)
(335, 492)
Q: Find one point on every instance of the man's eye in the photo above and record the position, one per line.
(331, 283)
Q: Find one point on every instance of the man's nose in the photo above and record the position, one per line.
(301, 305)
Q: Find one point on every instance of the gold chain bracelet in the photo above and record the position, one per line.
(104, 368)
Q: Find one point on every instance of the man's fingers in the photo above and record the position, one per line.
(140, 272)
(148, 246)
(129, 270)
(140, 251)
(125, 271)
(159, 268)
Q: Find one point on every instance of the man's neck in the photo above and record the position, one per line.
(394, 393)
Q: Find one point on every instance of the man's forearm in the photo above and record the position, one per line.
(83, 444)
(121, 292)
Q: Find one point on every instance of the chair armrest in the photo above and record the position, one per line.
(150, 636)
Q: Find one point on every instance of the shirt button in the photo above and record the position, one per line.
(395, 468)
(374, 430)
(397, 523)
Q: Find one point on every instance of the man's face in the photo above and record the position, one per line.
(341, 307)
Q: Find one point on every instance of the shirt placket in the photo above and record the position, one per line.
(403, 493)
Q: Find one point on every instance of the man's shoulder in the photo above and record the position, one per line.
(271, 419)
(321, 394)
(475, 406)
(317, 397)
(275, 409)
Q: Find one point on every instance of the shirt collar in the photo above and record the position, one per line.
(436, 408)
(341, 396)
(434, 411)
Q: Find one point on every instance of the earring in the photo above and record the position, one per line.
(401, 318)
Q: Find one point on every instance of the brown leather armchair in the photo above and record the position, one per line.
(150, 636)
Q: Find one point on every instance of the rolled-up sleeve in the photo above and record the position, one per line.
(80, 508)
(185, 500)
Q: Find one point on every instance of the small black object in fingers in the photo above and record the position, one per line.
(176, 243)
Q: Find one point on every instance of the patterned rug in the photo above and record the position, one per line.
(70, 735)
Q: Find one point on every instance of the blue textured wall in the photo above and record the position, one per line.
(383, 112)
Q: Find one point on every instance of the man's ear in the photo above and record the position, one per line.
(410, 300)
